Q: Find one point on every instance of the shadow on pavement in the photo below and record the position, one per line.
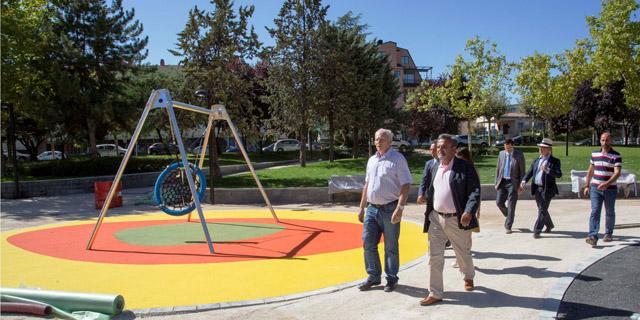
(531, 272)
(483, 297)
(512, 256)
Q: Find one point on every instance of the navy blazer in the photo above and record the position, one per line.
(465, 189)
(548, 178)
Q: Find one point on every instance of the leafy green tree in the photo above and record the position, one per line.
(213, 47)
(472, 84)
(616, 55)
(496, 107)
(95, 45)
(25, 82)
(295, 67)
(538, 88)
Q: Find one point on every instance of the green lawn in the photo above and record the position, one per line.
(317, 174)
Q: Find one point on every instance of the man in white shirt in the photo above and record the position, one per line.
(385, 192)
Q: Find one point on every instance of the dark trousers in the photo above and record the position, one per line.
(544, 219)
(507, 193)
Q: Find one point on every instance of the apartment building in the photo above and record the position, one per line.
(404, 69)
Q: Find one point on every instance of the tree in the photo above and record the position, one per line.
(617, 48)
(468, 90)
(95, 46)
(496, 107)
(295, 67)
(539, 89)
(25, 81)
(213, 47)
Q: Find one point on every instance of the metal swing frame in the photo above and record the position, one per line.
(161, 99)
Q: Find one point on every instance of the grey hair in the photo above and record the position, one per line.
(385, 132)
(447, 137)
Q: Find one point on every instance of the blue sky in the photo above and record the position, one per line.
(433, 31)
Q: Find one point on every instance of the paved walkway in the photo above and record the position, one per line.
(517, 276)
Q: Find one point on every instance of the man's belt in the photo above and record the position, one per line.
(445, 214)
(382, 205)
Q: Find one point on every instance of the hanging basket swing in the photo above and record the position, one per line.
(172, 193)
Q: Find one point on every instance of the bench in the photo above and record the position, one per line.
(624, 182)
(348, 184)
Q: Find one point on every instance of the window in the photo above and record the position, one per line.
(409, 78)
(404, 60)
(396, 74)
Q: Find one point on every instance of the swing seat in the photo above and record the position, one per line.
(171, 192)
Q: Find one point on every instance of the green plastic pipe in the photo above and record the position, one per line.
(71, 301)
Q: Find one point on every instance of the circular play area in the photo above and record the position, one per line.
(160, 261)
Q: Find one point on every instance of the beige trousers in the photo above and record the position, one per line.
(443, 229)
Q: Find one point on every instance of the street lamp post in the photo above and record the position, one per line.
(12, 139)
(202, 93)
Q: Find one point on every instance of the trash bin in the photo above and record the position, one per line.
(101, 190)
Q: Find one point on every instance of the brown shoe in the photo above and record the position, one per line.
(607, 238)
(429, 301)
(468, 284)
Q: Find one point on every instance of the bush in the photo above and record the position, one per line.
(493, 151)
(91, 167)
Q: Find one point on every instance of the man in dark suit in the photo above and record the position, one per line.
(544, 172)
(427, 166)
(509, 173)
(453, 198)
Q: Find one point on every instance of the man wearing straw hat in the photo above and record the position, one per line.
(544, 171)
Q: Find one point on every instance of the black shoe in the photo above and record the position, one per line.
(448, 244)
(536, 235)
(593, 241)
(548, 230)
(390, 286)
(367, 285)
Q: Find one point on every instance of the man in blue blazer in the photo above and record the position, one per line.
(544, 172)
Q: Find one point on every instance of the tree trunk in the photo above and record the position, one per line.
(213, 154)
(331, 133)
(369, 144)
(354, 149)
(91, 129)
(566, 147)
(469, 139)
(489, 122)
(303, 146)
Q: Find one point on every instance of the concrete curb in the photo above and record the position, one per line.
(551, 304)
(247, 303)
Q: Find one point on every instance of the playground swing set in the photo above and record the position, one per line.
(180, 188)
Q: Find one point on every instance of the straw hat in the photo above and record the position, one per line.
(546, 142)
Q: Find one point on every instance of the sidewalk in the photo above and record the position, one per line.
(517, 277)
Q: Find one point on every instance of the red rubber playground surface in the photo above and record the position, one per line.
(159, 261)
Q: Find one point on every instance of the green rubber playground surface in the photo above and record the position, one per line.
(190, 232)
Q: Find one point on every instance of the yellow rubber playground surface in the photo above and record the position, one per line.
(159, 261)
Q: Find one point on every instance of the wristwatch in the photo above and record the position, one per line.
(400, 206)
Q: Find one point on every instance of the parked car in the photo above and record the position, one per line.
(19, 155)
(161, 148)
(283, 145)
(110, 150)
(583, 142)
(316, 146)
(50, 155)
(463, 140)
(401, 145)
